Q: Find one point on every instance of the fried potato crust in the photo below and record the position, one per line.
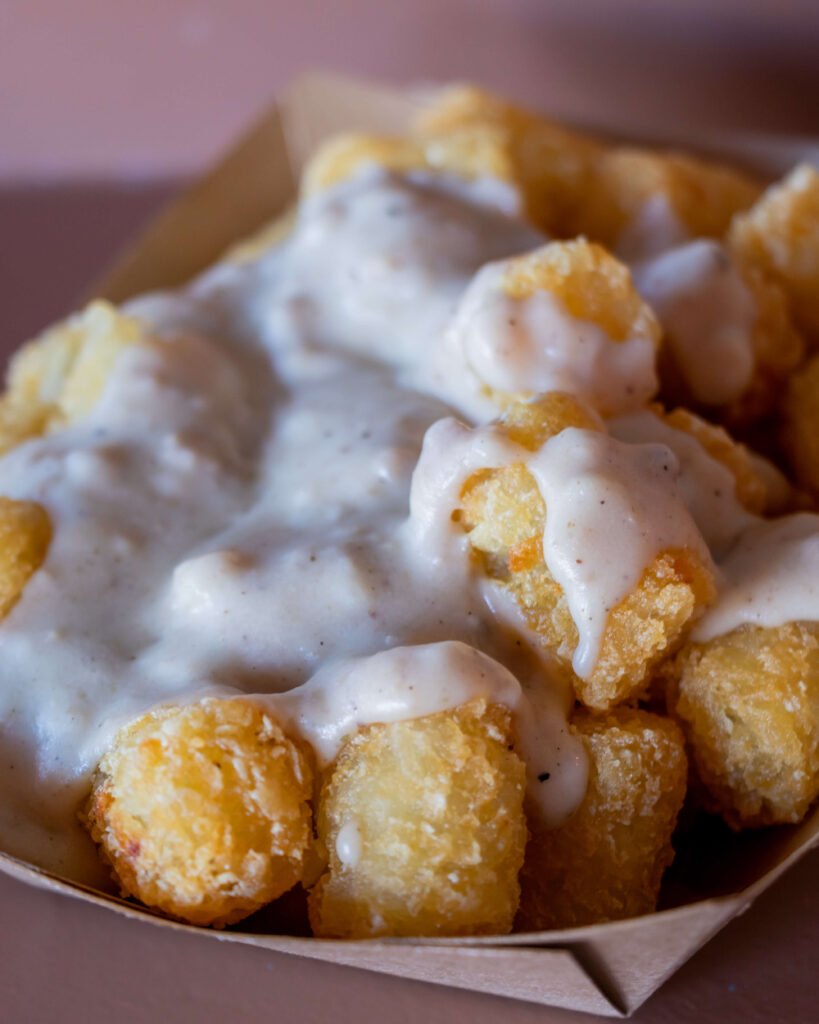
(342, 155)
(752, 489)
(780, 236)
(777, 349)
(590, 283)
(202, 810)
(551, 166)
(504, 515)
(424, 828)
(57, 378)
(25, 534)
(748, 703)
(607, 861)
(800, 426)
(701, 195)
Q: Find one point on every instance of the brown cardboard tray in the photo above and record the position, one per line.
(609, 969)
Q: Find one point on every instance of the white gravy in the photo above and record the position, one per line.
(708, 315)
(771, 577)
(232, 515)
(705, 485)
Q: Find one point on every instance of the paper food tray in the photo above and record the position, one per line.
(608, 969)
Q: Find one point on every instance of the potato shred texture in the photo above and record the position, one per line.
(504, 515)
(749, 705)
(424, 829)
(58, 378)
(608, 860)
(25, 534)
(202, 810)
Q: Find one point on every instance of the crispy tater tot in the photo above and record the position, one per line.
(641, 202)
(800, 426)
(748, 703)
(564, 317)
(467, 127)
(778, 349)
(504, 515)
(729, 341)
(342, 155)
(424, 828)
(752, 488)
(590, 283)
(607, 861)
(202, 810)
(25, 534)
(780, 235)
(58, 377)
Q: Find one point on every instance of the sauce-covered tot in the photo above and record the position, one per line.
(565, 317)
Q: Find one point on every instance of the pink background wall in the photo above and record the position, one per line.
(155, 87)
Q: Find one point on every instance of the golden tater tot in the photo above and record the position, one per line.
(590, 283)
(202, 810)
(778, 349)
(729, 341)
(607, 861)
(800, 426)
(780, 235)
(640, 202)
(748, 703)
(563, 317)
(342, 155)
(504, 515)
(58, 377)
(25, 534)
(752, 489)
(424, 828)
(467, 127)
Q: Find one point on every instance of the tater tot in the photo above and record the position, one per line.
(564, 317)
(590, 283)
(469, 127)
(778, 349)
(607, 861)
(753, 490)
(641, 202)
(504, 515)
(25, 534)
(780, 235)
(729, 342)
(424, 828)
(800, 426)
(58, 377)
(749, 706)
(202, 810)
(342, 155)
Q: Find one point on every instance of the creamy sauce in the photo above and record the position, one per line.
(708, 315)
(653, 229)
(771, 577)
(707, 487)
(612, 508)
(526, 346)
(232, 516)
(411, 682)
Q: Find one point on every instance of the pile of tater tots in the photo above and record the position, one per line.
(684, 297)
